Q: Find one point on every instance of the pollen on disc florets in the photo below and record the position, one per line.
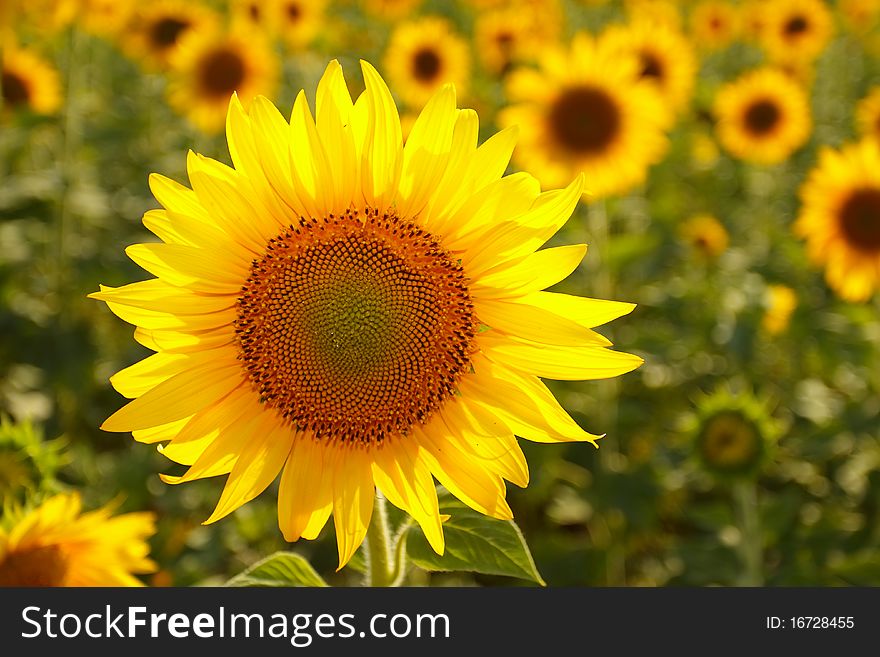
(356, 326)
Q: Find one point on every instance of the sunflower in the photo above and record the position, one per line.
(299, 20)
(840, 218)
(796, 30)
(733, 432)
(259, 15)
(503, 37)
(868, 114)
(29, 82)
(706, 235)
(209, 66)
(391, 9)
(753, 19)
(157, 29)
(105, 18)
(424, 54)
(763, 116)
(358, 313)
(57, 544)
(586, 110)
(781, 303)
(860, 15)
(663, 12)
(666, 59)
(714, 24)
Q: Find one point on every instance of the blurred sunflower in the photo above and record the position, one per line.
(860, 15)
(753, 19)
(781, 303)
(706, 235)
(733, 432)
(666, 59)
(28, 82)
(586, 109)
(299, 21)
(105, 18)
(763, 116)
(157, 29)
(796, 30)
(424, 54)
(840, 218)
(714, 24)
(57, 544)
(504, 37)
(47, 16)
(358, 313)
(659, 12)
(209, 66)
(391, 9)
(868, 114)
(259, 15)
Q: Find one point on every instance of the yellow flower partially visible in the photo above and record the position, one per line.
(209, 66)
(391, 9)
(57, 544)
(586, 110)
(706, 235)
(659, 12)
(868, 114)
(423, 55)
(796, 30)
(259, 15)
(781, 303)
(840, 218)
(157, 28)
(509, 35)
(353, 313)
(29, 82)
(666, 58)
(860, 15)
(763, 116)
(714, 24)
(105, 18)
(299, 21)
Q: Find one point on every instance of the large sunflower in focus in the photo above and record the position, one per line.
(796, 30)
(209, 66)
(28, 82)
(840, 218)
(763, 116)
(586, 110)
(157, 29)
(666, 59)
(57, 544)
(422, 56)
(354, 313)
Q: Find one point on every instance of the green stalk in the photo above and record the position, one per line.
(745, 494)
(380, 571)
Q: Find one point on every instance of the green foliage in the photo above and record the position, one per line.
(279, 569)
(474, 543)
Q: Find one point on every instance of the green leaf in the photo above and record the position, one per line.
(279, 569)
(474, 543)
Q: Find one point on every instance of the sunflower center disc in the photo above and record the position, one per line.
(293, 11)
(860, 219)
(39, 566)
(426, 65)
(355, 327)
(651, 66)
(222, 72)
(584, 120)
(166, 32)
(729, 441)
(15, 91)
(762, 117)
(796, 25)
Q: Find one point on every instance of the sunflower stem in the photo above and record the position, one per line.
(379, 564)
(745, 495)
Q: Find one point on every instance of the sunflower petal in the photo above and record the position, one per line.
(305, 496)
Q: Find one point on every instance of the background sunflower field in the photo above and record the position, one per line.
(735, 167)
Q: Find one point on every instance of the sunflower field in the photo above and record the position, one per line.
(370, 332)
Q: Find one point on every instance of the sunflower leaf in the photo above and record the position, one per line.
(279, 569)
(474, 543)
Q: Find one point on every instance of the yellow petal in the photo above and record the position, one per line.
(135, 380)
(353, 492)
(583, 310)
(531, 323)
(530, 273)
(333, 117)
(405, 479)
(382, 157)
(188, 266)
(257, 466)
(305, 496)
(312, 174)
